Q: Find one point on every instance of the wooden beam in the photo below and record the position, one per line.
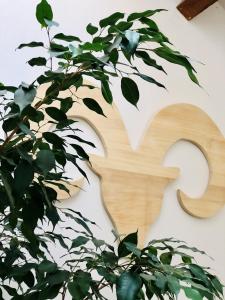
(191, 8)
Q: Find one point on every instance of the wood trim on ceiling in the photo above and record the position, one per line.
(191, 8)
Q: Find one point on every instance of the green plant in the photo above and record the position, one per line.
(30, 161)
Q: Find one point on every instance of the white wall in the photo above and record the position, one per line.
(203, 39)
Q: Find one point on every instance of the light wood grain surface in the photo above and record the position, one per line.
(133, 182)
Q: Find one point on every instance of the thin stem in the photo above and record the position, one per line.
(49, 39)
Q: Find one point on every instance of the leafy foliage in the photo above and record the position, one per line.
(32, 163)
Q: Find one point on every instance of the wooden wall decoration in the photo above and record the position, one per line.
(133, 182)
(191, 8)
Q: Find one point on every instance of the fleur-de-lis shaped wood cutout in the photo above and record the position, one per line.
(133, 182)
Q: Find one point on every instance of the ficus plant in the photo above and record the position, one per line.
(31, 223)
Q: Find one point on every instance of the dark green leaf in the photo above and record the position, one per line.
(80, 151)
(79, 139)
(151, 24)
(23, 176)
(37, 61)
(56, 113)
(47, 266)
(111, 20)
(91, 29)
(148, 60)
(79, 241)
(79, 287)
(66, 104)
(176, 58)
(113, 56)
(31, 45)
(217, 284)
(186, 259)
(120, 27)
(29, 279)
(93, 105)
(45, 160)
(67, 38)
(128, 286)
(150, 79)
(44, 11)
(54, 139)
(122, 248)
(166, 258)
(130, 90)
(106, 92)
(58, 277)
(7, 182)
(50, 292)
(147, 13)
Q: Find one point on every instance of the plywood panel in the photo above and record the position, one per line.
(133, 182)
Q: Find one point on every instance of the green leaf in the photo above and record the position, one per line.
(93, 105)
(44, 11)
(47, 266)
(79, 241)
(150, 79)
(133, 38)
(160, 281)
(176, 58)
(79, 139)
(31, 45)
(37, 61)
(192, 293)
(58, 277)
(23, 176)
(7, 182)
(120, 27)
(111, 20)
(148, 60)
(217, 284)
(50, 292)
(151, 24)
(93, 46)
(133, 249)
(80, 151)
(67, 38)
(56, 113)
(122, 248)
(166, 258)
(128, 286)
(26, 130)
(130, 90)
(54, 139)
(174, 285)
(186, 259)
(113, 56)
(28, 278)
(24, 96)
(80, 285)
(45, 160)
(106, 92)
(91, 29)
(147, 13)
